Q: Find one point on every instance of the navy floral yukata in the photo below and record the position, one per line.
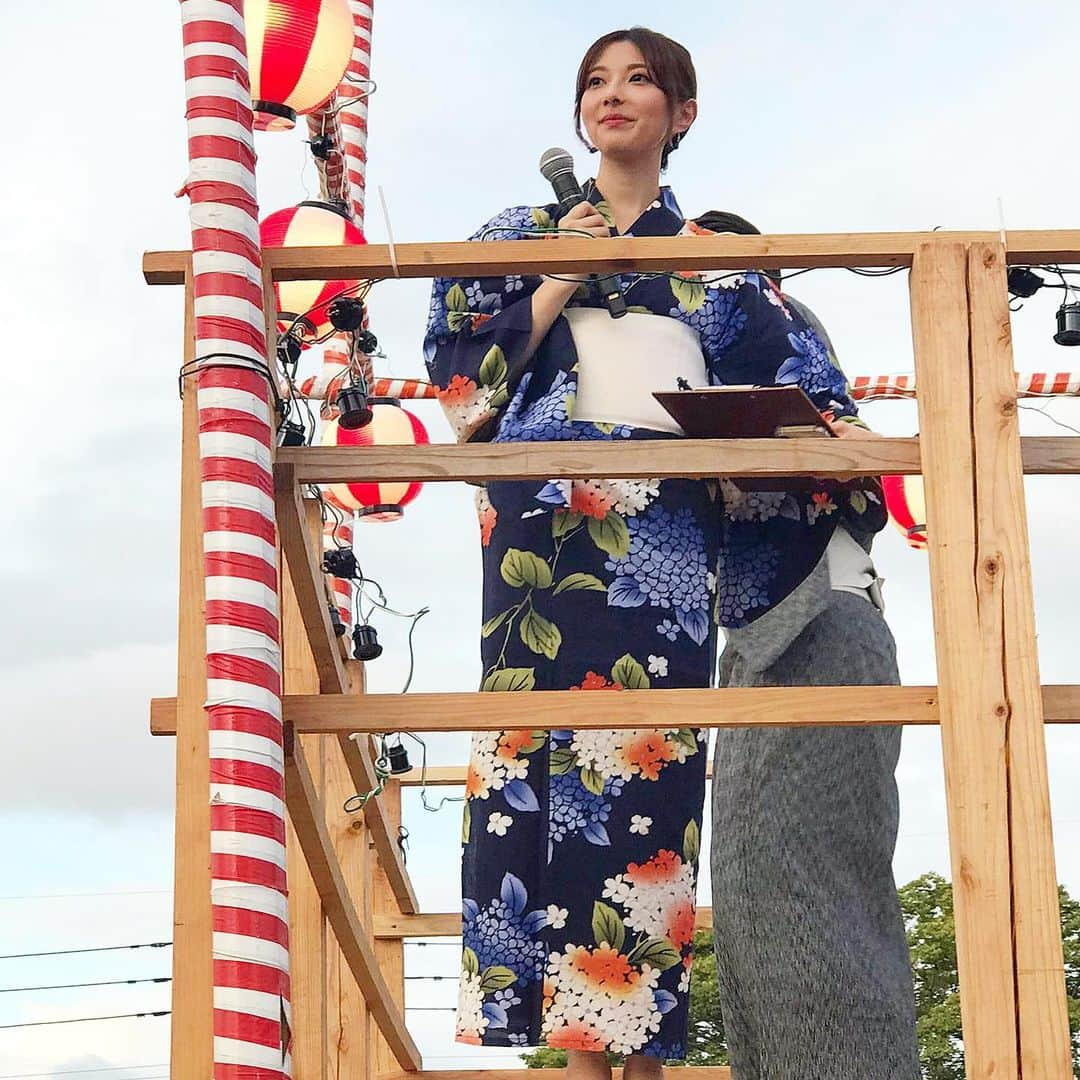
(581, 850)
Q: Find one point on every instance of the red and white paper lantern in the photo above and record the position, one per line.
(298, 51)
(906, 501)
(311, 224)
(391, 425)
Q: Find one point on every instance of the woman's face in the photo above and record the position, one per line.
(624, 113)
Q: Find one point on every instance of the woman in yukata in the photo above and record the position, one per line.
(581, 849)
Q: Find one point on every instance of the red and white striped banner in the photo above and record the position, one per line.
(1031, 384)
(252, 1037)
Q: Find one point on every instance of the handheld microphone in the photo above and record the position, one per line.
(557, 167)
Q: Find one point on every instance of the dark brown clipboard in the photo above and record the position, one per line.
(748, 412)
(743, 412)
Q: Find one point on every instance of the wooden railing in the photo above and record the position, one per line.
(351, 901)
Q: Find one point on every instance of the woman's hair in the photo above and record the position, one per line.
(669, 64)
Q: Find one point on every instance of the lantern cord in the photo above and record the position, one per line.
(242, 363)
(389, 231)
(1049, 416)
(423, 779)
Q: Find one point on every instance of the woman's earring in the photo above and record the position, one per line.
(592, 149)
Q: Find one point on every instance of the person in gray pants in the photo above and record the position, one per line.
(812, 958)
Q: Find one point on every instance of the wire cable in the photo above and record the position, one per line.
(79, 986)
(101, 948)
(79, 1072)
(87, 1019)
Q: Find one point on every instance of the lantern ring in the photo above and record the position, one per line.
(272, 108)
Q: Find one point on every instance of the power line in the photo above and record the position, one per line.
(69, 895)
(102, 948)
(86, 1019)
(79, 986)
(77, 1072)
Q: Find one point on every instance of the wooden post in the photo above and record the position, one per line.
(192, 1048)
(390, 954)
(347, 1022)
(967, 636)
(308, 955)
(1011, 674)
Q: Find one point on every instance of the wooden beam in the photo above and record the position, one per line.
(700, 458)
(307, 939)
(571, 255)
(192, 1032)
(1050, 455)
(448, 924)
(308, 819)
(415, 712)
(972, 710)
(305, 573)
(347, 1018)
(1006, 604)
(389, 954)
(729, 707)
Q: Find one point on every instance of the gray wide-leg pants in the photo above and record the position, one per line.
(814, 972)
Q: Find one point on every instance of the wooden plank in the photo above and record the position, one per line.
(309, 821)
(448, 924)
(973, 716)
(347, 1019)
(307, 940)
(390, 954)
(441, 462)
(729, 707)
(1061, 705)
(304, 563)
(1006, 600)
(1050, 455)
(305, 573)
(570, 255)
(192, 1034)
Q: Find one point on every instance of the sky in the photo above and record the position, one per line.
(814, 118)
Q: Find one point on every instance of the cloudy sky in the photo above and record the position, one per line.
(814, 118)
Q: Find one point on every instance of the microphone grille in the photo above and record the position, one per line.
(555, 161)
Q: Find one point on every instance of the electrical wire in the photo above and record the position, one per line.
(79, 1072)
(87, 1019)
(103, 948)
(79, 986)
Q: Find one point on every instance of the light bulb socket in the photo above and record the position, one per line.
(341, 562)
(355, 411)
(1024, 282)
(292, 434)
(346, 313)
(398, 757)
(336, 621)
(366, 342)
(366, 642)
(1068, 324)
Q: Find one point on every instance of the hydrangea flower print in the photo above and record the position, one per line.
(658, 897)
(595, 999)
(573, 808)
(718, 321)
(746, 570)
(666, 566)
(503, 934)
(812, 368)
(542, 420)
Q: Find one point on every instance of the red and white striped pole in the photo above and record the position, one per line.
(236, 436)
(354, 92)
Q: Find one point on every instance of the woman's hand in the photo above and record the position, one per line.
(843, 429)
(585, 218)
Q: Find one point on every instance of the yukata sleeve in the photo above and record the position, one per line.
(767, 341)
(477, 333)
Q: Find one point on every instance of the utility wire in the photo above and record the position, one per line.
(79, 986)
(86, 1019)
(102, 948)
(77, 1072)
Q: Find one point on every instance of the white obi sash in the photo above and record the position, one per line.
(622, 361)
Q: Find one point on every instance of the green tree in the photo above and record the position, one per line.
(927, 903)
(928, 916)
